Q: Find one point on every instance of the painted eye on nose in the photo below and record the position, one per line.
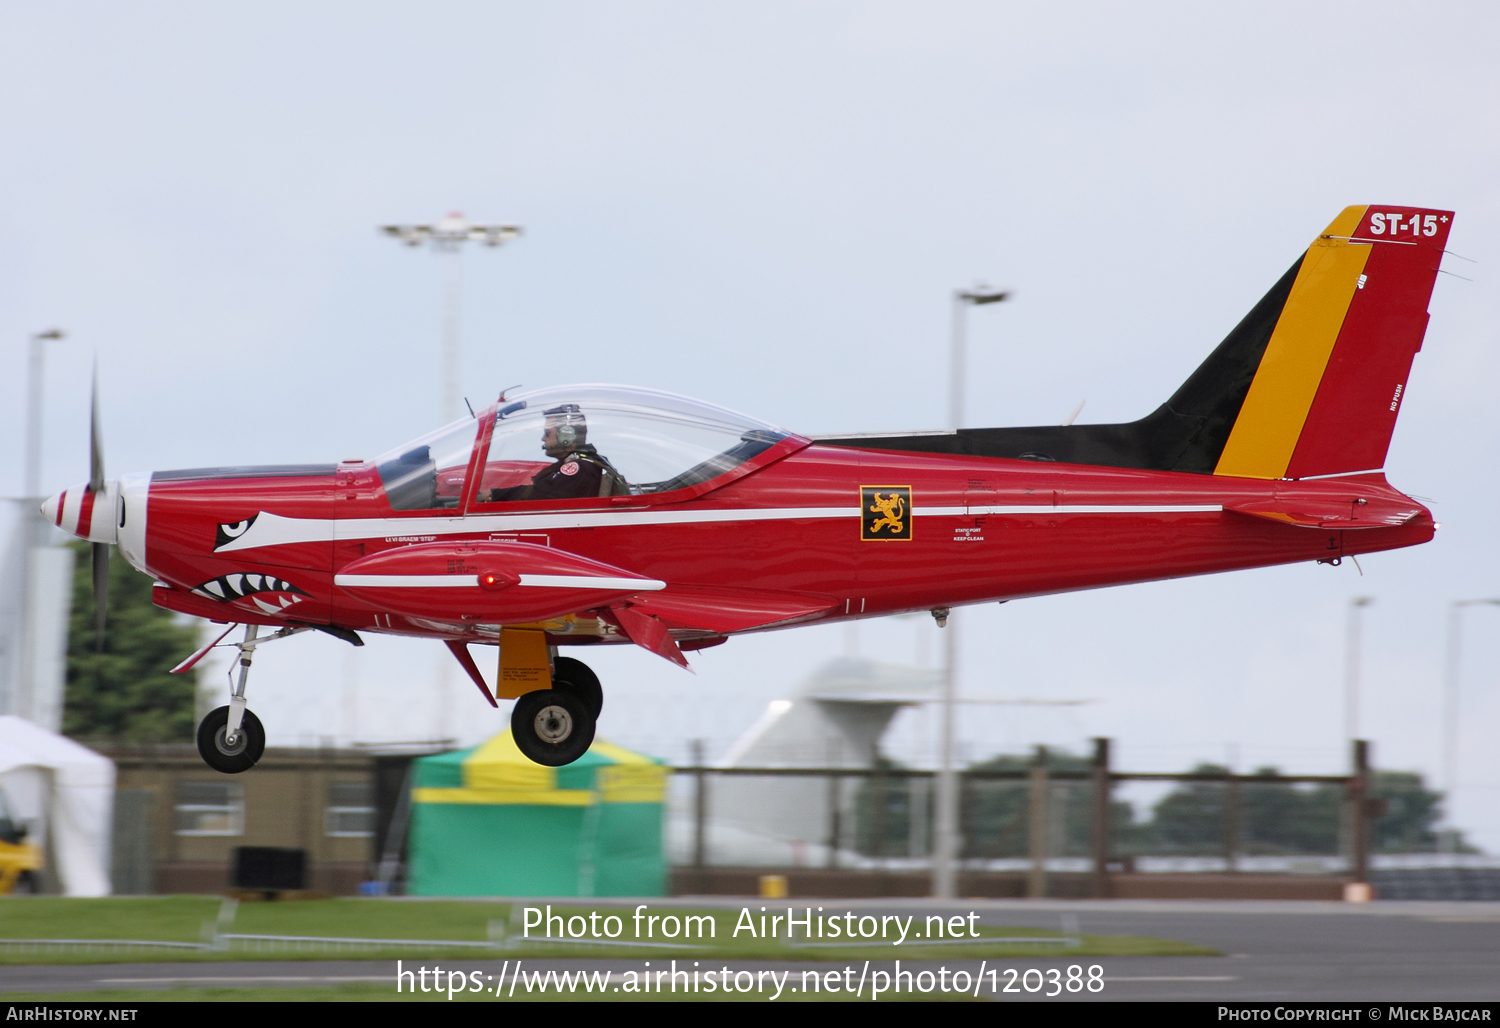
(228, 533)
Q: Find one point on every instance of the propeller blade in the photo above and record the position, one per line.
(101, 591)
(100, 551)
(96, 447)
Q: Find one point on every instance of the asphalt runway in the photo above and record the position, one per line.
(1275, 951)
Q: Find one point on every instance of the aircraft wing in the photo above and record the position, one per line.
(719, 609)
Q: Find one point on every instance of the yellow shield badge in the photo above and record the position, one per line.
(885, 512)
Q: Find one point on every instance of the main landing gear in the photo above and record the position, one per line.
(231, 739)
(556, 726)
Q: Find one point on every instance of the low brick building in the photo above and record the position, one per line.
(177, 822)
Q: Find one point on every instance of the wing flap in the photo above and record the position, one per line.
(718, 609)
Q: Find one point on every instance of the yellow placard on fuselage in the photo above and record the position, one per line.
(524, 663)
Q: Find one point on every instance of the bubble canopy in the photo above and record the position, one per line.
(627, 441)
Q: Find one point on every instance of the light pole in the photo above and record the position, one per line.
(1450, 700)
(962, 300)
(448, 237)
(945, 852)
(1351, 667)
(34, 357)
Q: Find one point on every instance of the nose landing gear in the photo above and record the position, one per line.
(231, 739)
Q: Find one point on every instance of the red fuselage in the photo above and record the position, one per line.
(782, 543)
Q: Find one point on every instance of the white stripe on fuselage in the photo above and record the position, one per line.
(1101, 508)
(275, 530)
(645, 585)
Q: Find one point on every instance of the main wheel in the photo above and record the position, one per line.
(552, 727)
(218, 754)
(576, 677)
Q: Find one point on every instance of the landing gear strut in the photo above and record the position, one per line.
(555, 726)
(231, 739)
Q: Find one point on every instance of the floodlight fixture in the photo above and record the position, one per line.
(448, 236)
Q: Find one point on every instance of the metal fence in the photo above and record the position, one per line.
(1033, 820)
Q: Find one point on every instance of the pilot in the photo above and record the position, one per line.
(578, 470)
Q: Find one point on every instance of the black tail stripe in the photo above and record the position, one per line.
(1187, 433)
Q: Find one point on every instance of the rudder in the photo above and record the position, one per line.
(1329, 386)
(1309, 382)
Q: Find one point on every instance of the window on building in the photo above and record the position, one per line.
(351, 810)
(210, 808)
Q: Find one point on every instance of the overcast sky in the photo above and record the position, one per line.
(767, 206)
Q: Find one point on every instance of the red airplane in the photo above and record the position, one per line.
(587, 515)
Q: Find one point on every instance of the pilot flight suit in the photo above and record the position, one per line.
(581, 472)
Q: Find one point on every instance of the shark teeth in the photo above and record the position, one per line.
(238, 586)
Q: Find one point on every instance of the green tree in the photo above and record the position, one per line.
(883, 812)
(1189, 819)
(125, 692)
(1274, 817)
(994, 816)
(1283, 818)
(1411, 814)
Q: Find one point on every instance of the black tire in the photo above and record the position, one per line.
(231, 760)
(551, 727)
(578, 678)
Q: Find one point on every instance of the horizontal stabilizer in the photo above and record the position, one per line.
(1358, 501)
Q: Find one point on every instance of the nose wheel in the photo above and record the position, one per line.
(230, 755)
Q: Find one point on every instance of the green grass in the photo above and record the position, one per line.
(166, 918)
(182, 919)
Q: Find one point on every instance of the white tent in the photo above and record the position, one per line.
(67, 792)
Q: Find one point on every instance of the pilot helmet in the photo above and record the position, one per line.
(572, 427)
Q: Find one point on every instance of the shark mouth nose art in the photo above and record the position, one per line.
(265, 593)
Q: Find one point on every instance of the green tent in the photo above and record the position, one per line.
(488, 822)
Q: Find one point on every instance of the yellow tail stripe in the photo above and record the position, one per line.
(1265, 433)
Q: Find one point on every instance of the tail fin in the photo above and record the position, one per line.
(1328, 386)
(1309, 382)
